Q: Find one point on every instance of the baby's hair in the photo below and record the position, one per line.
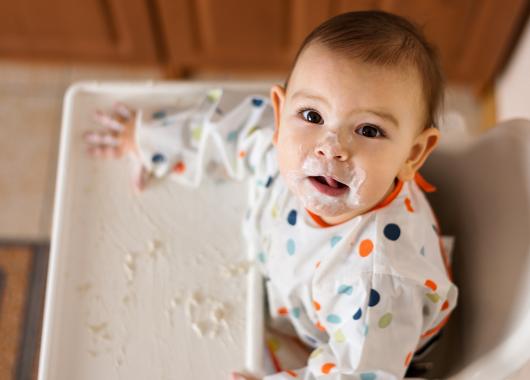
(384, 39)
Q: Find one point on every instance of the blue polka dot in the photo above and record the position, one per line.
(159, 114)
(296, 312)
(333, 318)
(158, 158)
(269, 181)
(291, 247)
(335, 240)
(358, 314)
(256, 102)
(374, 298)
(262, 257)
(368, 376)
(291, 218)
(345, 289)
(232, 136)
(392, 231)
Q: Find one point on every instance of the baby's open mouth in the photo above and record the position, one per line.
(328, 185)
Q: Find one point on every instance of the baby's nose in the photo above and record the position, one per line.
(332, 150)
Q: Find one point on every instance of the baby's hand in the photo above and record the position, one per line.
(117, 139)
(242, 376)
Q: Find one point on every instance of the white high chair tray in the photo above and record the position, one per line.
(148, 285)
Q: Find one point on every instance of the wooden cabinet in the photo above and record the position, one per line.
(80, 30)
(233, 36)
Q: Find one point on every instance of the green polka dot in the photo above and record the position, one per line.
(339, 336)
(196, 133)
(434, 297)
(262, 257)
(316, 353)
(385, 320)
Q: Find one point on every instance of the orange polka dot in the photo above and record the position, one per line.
(291, 373)
(242, 153)
(282, 311)
(431, 285)
(407, 359)
(179, 167)
(408, 205)
(319, 326)
(327, 367)
(316, 305)
(445, 306)
(366, 247)
(317, 264)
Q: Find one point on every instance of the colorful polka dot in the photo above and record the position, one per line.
(374, 298)
(159, 114)
(358, 314)
(407, 359)
(274, 212)
(445, 306)
(282, 311)
(392, 231)
(317, 264)
(196, 133)
(252, 130)
(339, 336)
(158, 158)
(433, 297)
(262, 257)
(316, 305)
(335, 240)
(319, 326)
(180, 167)
(291, 218)
(431, 285)
(422, 251)
(317, 351)
(296, 312)
(242, 153)
(327, 367)
(269, 181)
(408, 205)
(214, 95)
(365, 330)
(368, 376)
(291, 247)
(257, 102)
(345, 289)
(385, 320)
(366, 247)
(232, 136)
(333, 318)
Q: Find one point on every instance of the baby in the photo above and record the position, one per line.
(339, 224)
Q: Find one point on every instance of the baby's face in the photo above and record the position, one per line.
(345, 130)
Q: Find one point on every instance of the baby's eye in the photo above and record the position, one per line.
(312, 116)
(370, 131)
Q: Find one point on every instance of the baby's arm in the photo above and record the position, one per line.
(174, 142)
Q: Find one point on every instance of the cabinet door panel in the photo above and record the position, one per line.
(112, 30)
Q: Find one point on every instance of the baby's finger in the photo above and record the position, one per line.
(108, 121)
(95, 151)
(101, 138)
(123, 111)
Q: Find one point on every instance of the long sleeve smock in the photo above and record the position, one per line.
(365, 294)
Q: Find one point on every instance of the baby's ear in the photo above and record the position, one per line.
(277, 99)
(422, 147)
